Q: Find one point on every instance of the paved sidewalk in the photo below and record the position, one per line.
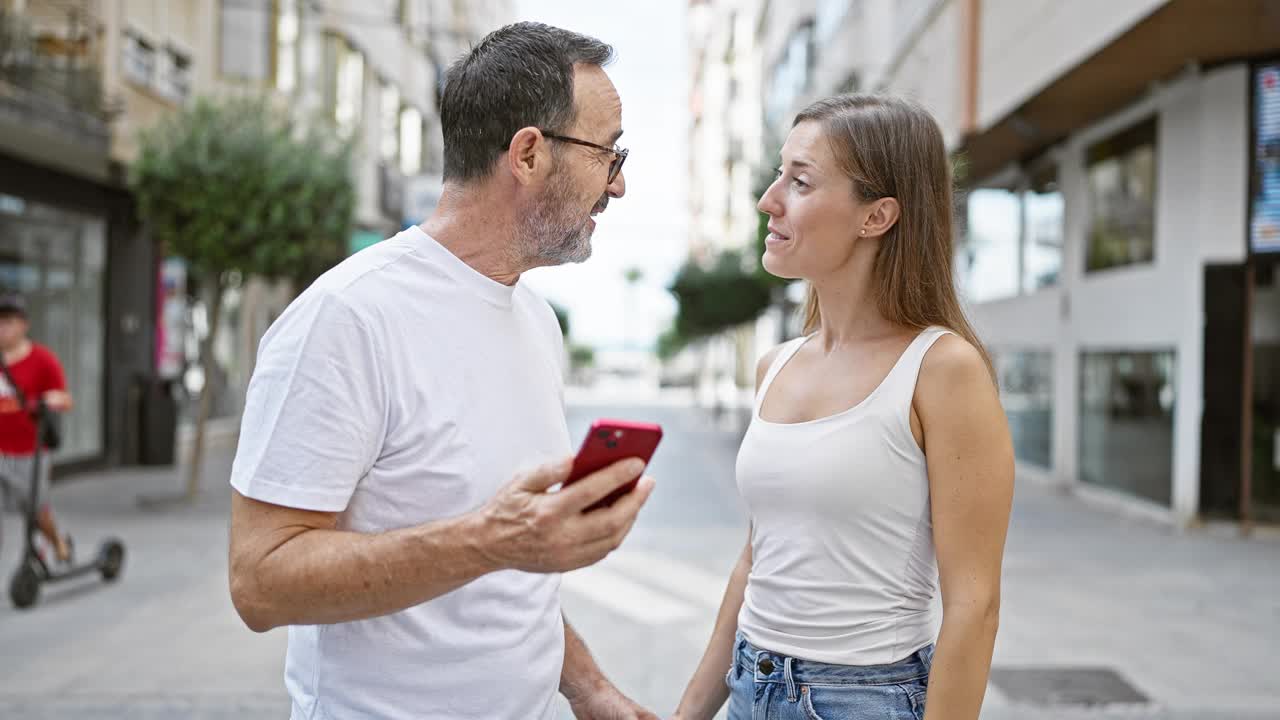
(1189, 619)
(162, 642)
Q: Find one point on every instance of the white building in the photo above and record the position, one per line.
(1121, 177)
(728, 162)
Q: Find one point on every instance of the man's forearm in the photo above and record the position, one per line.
(580, 675)
(321, 576)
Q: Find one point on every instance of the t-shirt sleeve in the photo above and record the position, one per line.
(54, 376)
(315, 415)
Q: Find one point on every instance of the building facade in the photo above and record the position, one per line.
(1117, 167)
(79, 79)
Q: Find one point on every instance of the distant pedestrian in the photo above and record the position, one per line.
(32, 381)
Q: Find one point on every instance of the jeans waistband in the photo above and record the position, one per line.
(769, 666)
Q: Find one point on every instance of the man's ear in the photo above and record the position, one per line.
(527, 155)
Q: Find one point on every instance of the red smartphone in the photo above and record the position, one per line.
(609, 441)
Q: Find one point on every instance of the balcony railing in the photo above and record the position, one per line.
(53, 77)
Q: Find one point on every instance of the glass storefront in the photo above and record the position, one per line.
(57, 259)
(1026, 390)
(1265, 460)
(1126, 422)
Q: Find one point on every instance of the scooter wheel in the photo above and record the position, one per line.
(25, 587)
(111, 560)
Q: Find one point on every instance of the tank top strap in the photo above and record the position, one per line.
(900, 385)
(785, 353)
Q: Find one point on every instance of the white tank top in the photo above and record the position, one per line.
(843, 568)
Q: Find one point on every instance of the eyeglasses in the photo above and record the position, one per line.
(619, 154)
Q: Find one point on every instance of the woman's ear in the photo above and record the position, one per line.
(884, 215)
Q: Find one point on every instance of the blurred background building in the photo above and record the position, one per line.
(1119, 175)
(79, 79)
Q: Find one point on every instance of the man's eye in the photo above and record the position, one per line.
(799, 183)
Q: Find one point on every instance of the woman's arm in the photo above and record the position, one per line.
(970, 460)
(706, 691)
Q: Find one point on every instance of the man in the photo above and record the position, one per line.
(38, 375)
(394, 401)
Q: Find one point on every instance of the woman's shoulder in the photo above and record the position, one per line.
(952, 370)
(954, 358)
(767, 360)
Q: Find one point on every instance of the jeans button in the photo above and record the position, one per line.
(766, 666)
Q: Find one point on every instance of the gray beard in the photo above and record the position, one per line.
(549, 237)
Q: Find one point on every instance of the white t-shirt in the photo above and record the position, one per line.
(404, 387)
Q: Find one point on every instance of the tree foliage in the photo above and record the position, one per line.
(237, 189)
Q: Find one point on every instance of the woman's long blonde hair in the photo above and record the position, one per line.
(890, 147)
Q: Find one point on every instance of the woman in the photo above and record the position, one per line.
(878, 464)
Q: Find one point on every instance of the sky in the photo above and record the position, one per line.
(646, 229)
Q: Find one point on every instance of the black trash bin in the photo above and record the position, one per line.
(157, 422)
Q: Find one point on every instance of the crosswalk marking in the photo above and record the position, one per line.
(628, 598)
(648, 588)
(691, 583)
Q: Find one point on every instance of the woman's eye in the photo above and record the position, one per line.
(799, 183)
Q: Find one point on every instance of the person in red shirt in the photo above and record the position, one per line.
(38, 374)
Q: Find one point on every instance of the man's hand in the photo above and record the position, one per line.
(524, 527)
(606, 702)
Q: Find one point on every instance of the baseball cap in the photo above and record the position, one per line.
(12, 302)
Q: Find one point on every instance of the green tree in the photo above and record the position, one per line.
(711, 299)
(581, 356)
(562, 317)
(239, 189)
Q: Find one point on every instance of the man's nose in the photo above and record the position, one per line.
(618, 187)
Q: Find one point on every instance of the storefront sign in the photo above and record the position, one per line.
(1264, 226)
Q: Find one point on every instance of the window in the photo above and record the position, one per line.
(988, 267)
(287, 32)
(1126, 422)
(175, 75)
(57, 258)
(829, 15)
(410, 141)
(1122, 192)
(428, 161)
(344, 86)
(139, 59)
(1026, 390)
(852, 83)
(1012, 236)
(792, 74)
(1043, 210)
(389, 122)
(245, 40)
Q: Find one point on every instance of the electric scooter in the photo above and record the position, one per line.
(33, 571)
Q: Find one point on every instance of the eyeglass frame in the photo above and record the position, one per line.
(619, 154)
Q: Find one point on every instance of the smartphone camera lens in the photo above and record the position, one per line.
(611, 444)
(603, 434)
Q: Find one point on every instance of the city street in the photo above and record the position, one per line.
(1189, 620)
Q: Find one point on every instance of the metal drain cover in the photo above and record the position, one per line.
(1072, 686)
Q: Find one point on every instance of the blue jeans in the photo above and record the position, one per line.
(767, 686)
